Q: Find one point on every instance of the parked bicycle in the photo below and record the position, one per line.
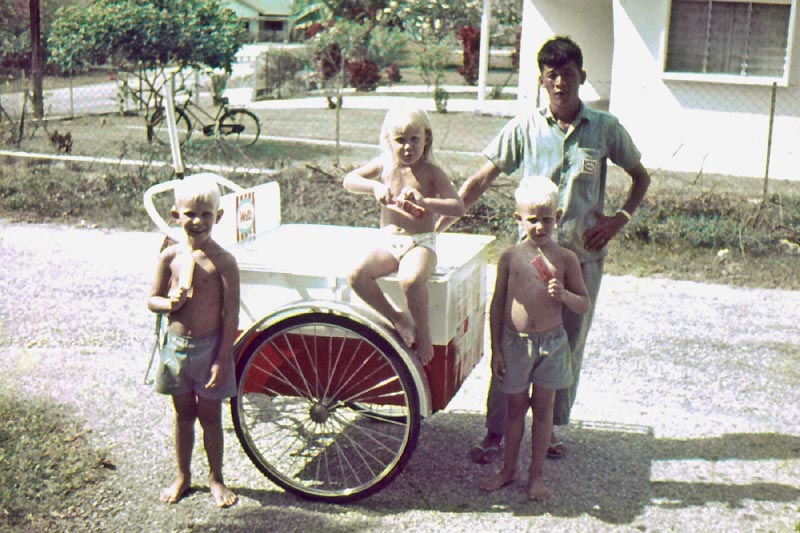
(240, 127)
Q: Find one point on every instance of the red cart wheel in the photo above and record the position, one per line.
(325, 408)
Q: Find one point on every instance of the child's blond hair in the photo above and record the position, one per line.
(405, 115)
(201, 187)
(537, 190)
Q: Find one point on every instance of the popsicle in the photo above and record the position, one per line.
(542, 269)
(411, 208)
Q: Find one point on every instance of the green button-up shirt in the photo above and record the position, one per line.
(576, 160)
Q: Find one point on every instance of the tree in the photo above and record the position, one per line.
(15, 37)
(433, 25)
(150, 39)
(348, 36)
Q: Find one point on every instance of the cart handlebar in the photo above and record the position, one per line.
(159, 188)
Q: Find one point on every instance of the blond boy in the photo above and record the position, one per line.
(197, 286)
(535, 278)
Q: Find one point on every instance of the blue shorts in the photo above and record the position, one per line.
(539, 358)
(185, 364)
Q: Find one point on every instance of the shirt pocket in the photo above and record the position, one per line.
(585, 192)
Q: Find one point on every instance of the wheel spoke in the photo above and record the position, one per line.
(326, 409)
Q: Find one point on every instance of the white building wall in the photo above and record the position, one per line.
(588, 23)
(690, 125)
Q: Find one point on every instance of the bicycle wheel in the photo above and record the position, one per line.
(239, 127)
(158, 132)
(325, 407)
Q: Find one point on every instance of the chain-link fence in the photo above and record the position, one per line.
(749, 130)
(63, 97)
(98, 92)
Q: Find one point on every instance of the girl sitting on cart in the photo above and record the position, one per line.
(413, 191)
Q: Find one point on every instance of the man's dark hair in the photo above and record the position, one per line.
(559, 51)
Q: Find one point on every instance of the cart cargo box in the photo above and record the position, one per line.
(285, 263)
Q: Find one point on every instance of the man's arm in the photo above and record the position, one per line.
(471, 190)
(639, 185)
(607, 227)
(497, 309)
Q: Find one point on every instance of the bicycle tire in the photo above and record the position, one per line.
(325, 407)
(158, 132)
(239, 127)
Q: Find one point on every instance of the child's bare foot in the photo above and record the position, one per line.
(405, 328)
(425, 353)
(223, 496)
(537, 490)
(175, 492)
(498, 481)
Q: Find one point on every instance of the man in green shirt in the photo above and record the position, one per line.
(571, 144)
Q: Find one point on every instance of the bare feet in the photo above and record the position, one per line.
(498, 481)
(405, 328)
(223, 496)
(175, 492)
(425, 353)
(537, 491)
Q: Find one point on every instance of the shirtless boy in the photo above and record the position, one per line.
(535, 278)
(197, 286)
(413, 191)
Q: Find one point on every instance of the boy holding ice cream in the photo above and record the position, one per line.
(197, 286)
(535, 279)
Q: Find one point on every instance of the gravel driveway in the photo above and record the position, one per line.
(686, 420)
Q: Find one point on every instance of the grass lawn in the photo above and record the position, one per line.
(686, 221)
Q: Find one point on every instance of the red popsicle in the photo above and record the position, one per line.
(411, 208)
(542, 269)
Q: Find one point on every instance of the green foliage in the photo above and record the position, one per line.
(44, 193)
(386, 45)
(349, 36)
(429, 21)
(278, 73)
(506, 22)
(714, 221)
(431, 61)
(44, 460)
(15, 35)
(151, 41)
(132, 35)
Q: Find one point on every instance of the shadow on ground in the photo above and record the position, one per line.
(607, 475)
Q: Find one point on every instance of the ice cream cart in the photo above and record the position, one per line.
(329, 399)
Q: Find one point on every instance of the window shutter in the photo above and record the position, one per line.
(739, 38)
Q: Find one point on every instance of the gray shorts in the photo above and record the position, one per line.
(185, 364)
(539, 358)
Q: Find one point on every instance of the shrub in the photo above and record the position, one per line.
(363, 74)
(393, 73)
(277, 72)
(471, 40)
(713, 221)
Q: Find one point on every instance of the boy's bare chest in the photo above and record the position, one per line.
(205, 275)
(523, 274)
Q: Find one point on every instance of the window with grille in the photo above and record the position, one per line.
(733, 38)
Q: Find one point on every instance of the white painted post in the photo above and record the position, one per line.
(483, 58)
